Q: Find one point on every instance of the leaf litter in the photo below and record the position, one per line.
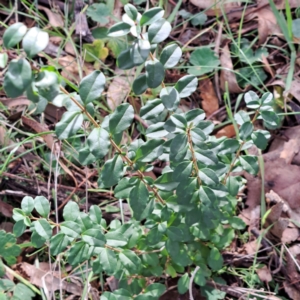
(281, 161)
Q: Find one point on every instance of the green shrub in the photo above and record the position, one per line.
(182, 220)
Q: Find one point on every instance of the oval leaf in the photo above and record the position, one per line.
(170, 98)
(155, 73)
(159, 31)
(35, 41)
(119, 29)
(14, 34)
(186, 85)
(151, 16)
(170, 55)
(98, 142)
(121, 118)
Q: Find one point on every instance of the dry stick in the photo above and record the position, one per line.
(115, 146)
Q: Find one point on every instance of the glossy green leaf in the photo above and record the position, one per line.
(122, 190)
(108, 261)
(139, 85)
(69, 124)
(78, 253)
(183, 283)
(119, 29)
(95, 214)
(186, 85)
(42, 206)
(70, 229)
(131, 11)
(152, 15)
(98, 142)
(14, 34)
(124, 60)
(246, 130)
(35, 41)
(149, 151)
(252, 100)
(43, 228)
(27, 205)
(71, 211)
(170, 55)
(215, 259)
(85, 222)
(179, 147)
(121, 118)
(85, 157)
(241, 117)
(204, 60)
(112, 171)
(138, 199)
(139, 51)
(206, 157)
(116, 239)
(165, 182)
(17, 78)
(94, 237)
(58, 243)
(155, 73)
(108, 296)
(237, 223)
(155, 290)
(260, 138)
(249, 163)
(91, 87)
(159, 31)
(270, 117)
(3, 60)
(156, 130)
(8, 247)
(130, 261)
(182, 171)
(208, 176)
(151, 109)
(233, 185)
(266, 99)
(19, 228)
(228, 146)
(170, 98)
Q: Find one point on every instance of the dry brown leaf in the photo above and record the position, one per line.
(54, 19)
(267, 23)
(227, 74)
(119, 89)
(48, 279)
(6, 209)
(210, 102)
(264, 274)
(228, 131)
(290, 235)
(251, 247)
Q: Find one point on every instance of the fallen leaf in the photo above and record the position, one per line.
(264, 274)
(227, 73)
(6, 209)
(227, 131)
(119, 89)
(54, 19)
(290, 235)
(210, 102)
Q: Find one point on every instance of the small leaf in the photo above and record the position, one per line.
(159, 31)
(178, 147)
(3, 60)
(94, 237)
(35, 41)
(42, 206)
(78, 253)
(19, 228)
(267, 98)
(139, 52)
(95, 214)
(170, 55)
(151, 109)
(108, 261)
(119, 29)
(91, 87)
(138, 199)
(98, 142)
(43, 229)
(121, 118)
(252, 100)
(208, 176)
(58, 243)
(130, 261)
(152, 15)
(215, 259)
(204, 61)
(241, 117)
(186, 85)
(155, 73)
(17, 78)
(249, 164)
(183, 283)
(139, 85)
(170, 98)
(124, 60)
(69, 124)
(246, 130)
(14, 34)
(27, 205)
(260, 138)
(112, 171)
(98, 12)
(71, 211)
(237, 223)
(270, 117)
(8, 247)
(149, 151)
(131, 11)
(156, 130)
(71, 229)
(116, 239)
(182, 171)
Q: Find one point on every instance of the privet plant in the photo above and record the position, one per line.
(180, 221)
